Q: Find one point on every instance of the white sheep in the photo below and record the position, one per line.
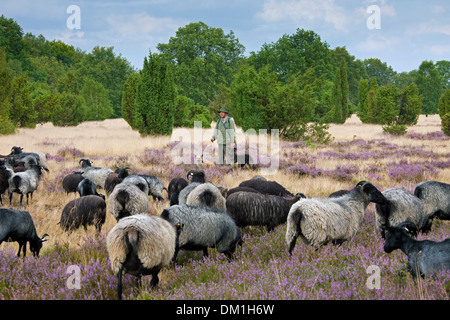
(318, 221)
(140, 245)
(25, 182)
(96, 174)
(129, 197)
(206, 194)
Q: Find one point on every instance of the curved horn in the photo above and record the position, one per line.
(189, 173)
(42, 239)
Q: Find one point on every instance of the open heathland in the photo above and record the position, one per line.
(262, 267)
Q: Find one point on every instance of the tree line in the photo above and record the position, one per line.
(297, 84)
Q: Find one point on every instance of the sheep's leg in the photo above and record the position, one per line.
(155, 279)
(174, 259)
(205, 251)
(10, 197)
(20, 248)
(119, 283)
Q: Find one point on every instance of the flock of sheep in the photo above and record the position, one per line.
(202, 215)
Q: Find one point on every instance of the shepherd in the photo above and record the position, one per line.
(225, 134)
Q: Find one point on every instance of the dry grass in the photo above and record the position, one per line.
(115, 138)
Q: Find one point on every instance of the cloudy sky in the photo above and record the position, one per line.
(403, 34)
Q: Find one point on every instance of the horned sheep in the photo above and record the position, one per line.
(96, 174)
(16, 225)
(425, 257)
(318, 221)
(140, 245)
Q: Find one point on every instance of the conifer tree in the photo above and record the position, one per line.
(340, 102)
(6, 126)
(444, 111)
(129, 99)
(155, 97)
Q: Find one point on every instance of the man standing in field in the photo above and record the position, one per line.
(225, 134)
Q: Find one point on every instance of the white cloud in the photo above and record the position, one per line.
(300, 10)
(432, 26)
(440, 50)
(377, 43)
(140, 25)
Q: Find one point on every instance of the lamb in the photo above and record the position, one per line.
(87, 187)
(140, 245)
(84, 211)
(266, 187)
(129, 197)
(96, 174)
(115, 178)
(18, 226)
(203, 227)
(256, 209)
(25, 182)
(436, 198)
(425, 257)
(319, 221)
(206, 194)
(71, 181)
(401, 207)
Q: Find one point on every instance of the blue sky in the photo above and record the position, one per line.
(410, 31)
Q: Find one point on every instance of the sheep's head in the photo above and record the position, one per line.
(16, 150)
(85, 163)
(374, 195)
(36, 245)
(196, 176)
(395, 237)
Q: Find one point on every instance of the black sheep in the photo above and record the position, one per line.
(424, 257)
(18, 226)
(84, 211)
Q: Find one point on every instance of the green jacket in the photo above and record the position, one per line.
(226, 130)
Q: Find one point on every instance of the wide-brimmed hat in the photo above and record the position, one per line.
(223, 110)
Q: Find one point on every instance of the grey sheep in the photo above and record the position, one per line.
(129, 197)
(84, 211)
(96, 174)
(237, 189)
(435, 196)
(41, 158)
(318, 221)
(183, 195)
(71, 181)
(256, 209)
(266, 187)
(425, 257)
(24, 183)
(401, 207)
(206, 194)
(140, 245)
(86, 187)
(203, 227)
(18, 226)
(155, 186)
